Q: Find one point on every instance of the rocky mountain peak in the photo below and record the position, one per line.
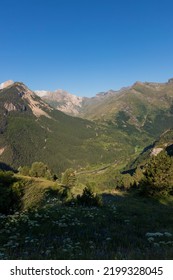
(6, 84)
(62, 100)
(18, 97)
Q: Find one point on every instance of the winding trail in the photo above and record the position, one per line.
(96, 171)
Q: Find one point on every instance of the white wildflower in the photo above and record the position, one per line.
(159, 234)
(150, 239)
(167, 234)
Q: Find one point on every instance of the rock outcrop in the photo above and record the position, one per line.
(6, 84)
(62, 100)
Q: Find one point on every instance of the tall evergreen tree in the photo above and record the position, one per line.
(69, 178)
(157, 174)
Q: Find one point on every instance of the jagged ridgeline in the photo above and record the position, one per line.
(142, 111)
(31, 130)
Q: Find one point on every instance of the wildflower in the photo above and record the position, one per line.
(169, 243)
(159, 234)
(37, 215)
(150, 239)
(167, 234)
(162, 242)
(13, 237)
(8, 244)
(154, 234)
(149, 234)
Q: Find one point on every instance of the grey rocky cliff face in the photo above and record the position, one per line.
(62, 100)
(10, 107)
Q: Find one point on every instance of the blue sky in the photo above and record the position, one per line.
(85, 46)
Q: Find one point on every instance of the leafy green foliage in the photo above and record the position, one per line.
(10, 193)
(87, 232)
(5, 191)
(66, 196)
(124, 181)
(158, 175)
(68, 178)
(57, 232)
(88, 198)
(36, 192)
(17, 194)
(39, 169)
(24, 170)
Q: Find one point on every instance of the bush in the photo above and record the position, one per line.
(10, 193)
(17, 193)
(24, 170)
(39, 169)
(88, 198)
(124, 181)
(66, 196)
(157, 176)
(69, 178)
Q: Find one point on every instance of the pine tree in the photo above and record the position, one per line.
(68, 178)
(157, 174)
(39, 169)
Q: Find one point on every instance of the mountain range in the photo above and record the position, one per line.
(63, 101)
(100, 107)
(64, 130)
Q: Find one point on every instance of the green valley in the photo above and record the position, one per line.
(80, 183)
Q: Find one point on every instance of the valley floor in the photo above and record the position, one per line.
(125, 227)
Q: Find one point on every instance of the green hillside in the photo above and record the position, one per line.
(46, 228)
(136, 115)
(143, 109)
(137, 101)
(119, 126)
(59, 140)
(163, 143)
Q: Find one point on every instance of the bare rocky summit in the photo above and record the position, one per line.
(6, 84)
(62, 100)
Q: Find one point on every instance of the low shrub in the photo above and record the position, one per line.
(10, 192)
(88, 198)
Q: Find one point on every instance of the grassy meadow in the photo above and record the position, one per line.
(126, 226)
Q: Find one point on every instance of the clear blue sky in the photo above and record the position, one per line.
(85, 46)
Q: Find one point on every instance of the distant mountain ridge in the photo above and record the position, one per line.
(105, 105)
(71, 104)
(62, 100)
(6, 84)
